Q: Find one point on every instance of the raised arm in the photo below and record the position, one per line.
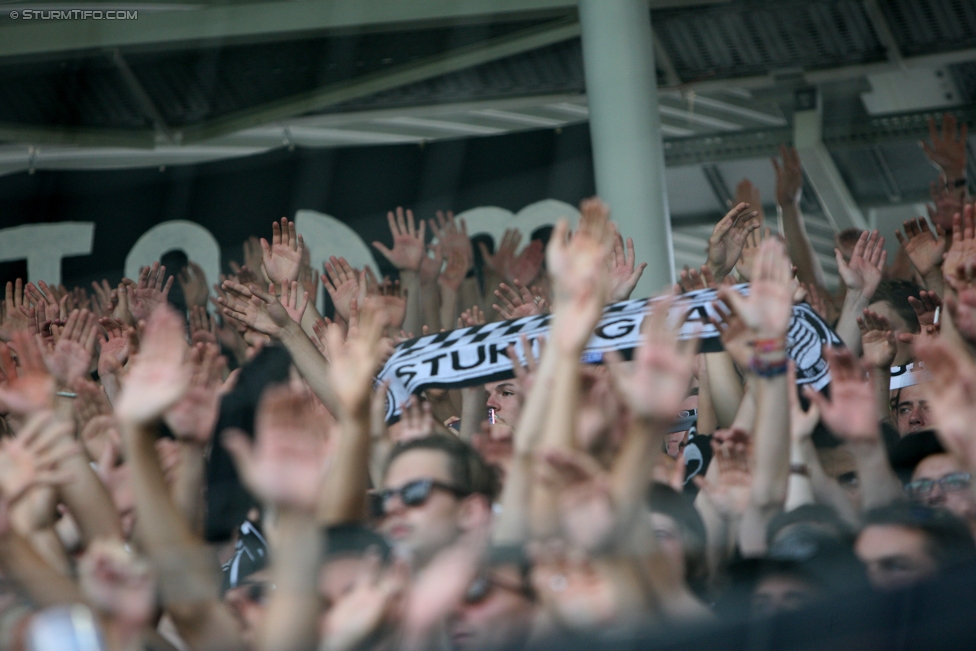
(581, 289)
(861, 276)
(354, 362)
(851, 415)
(766, 312)
(188, 581)
(789, 187)
(407, 255)
(263, 312)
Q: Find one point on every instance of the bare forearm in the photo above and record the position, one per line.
(449, 307)
(847, 330)
(187, 580)
(89, 502)
(724, 387)
(707, 420)
(882, 393)
(413, 319)
(343, 496)
(430, 306)
(42, 583)
(559, 432)
(826, 490)
(292, 619)
(188, 489)
(772, 463)
(310, 363)
(879, 485)
(473, 411)
(798, 246)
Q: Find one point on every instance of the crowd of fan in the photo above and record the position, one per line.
(673, 488)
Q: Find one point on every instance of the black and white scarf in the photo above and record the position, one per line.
(476, 355)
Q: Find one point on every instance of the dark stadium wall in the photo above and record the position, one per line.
(239, 197)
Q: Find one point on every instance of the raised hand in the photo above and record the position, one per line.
(925, 307)
(769, 306)
(517, 302)
(946, 202)
(430, 265)
(690, 280)
(863, 272)
(285, 464)
(749, 251)
(149, 292)
(850, 412)
(624, 272)
(408, 249)
(28, 385)
(203, 327)
(355, 360)
(729, 490)
(951, 395)
(258, 310)
(194, 416)
(657, 381)
(789, 176)
(157, 377)
(924, 248)
(586, 508)
(368, 605)
(581, 282)
(114, 348)
(962, 250)
(451, 238)
(877, 340)
(747, 192)
(504, 256)
(193, 282)
(105, 298)
(471, 317)
(961, 304)
(947, 150)
(31, 458)
(342, 282)
(527, 264)
(294, 299)
(13, 310)
(416, 422)
(282, 258)
(253, 261)
(729, 238)
(43, 294)
(454, 271)
(307, 278)
(70, 358)
(525, 375)
(118, 583)
(387, 296)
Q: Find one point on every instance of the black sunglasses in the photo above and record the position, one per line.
(413, 493)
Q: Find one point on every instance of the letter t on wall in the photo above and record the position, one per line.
(43, 246)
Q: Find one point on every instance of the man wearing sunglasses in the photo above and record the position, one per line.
(940, 481)
(434, 490)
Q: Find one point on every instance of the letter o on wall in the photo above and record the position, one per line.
(193, 239)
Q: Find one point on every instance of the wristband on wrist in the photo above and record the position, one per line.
(769, 368)
(769, 345)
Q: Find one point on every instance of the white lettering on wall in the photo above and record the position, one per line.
(43, 246)
(189, 237)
